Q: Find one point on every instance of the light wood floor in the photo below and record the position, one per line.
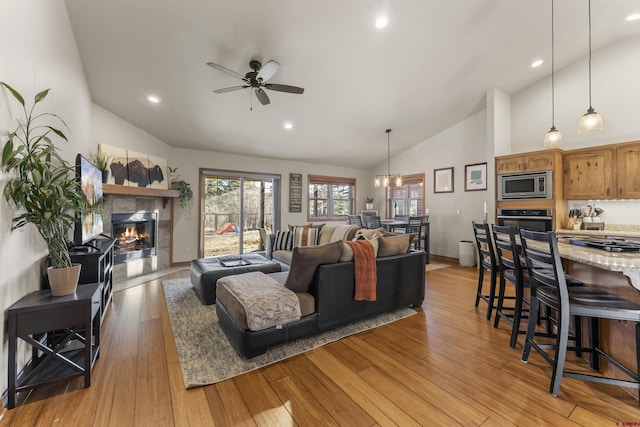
(446, 365)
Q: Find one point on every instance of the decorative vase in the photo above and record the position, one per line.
(368, 206)
(105, 176)
(63, 281)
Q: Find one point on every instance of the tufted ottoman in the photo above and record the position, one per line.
(205, 273)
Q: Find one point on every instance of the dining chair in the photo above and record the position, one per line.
(415, 229)
(355, 220)
(487, 261)
(372, 221)
(549, 288)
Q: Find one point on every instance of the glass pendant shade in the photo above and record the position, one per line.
(553, 138)
(385, 181)
(591, 122)
(377, 181)
(398, 181)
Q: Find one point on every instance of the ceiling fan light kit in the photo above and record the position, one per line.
(590, 122)
(257, 80)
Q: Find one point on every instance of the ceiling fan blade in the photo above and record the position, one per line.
(226, 70)
(262, 96)
(230, 89)
(284, 88)
(268, 70)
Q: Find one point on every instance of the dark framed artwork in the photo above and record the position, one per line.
(295, 192)
(475, 177)
(443, 180)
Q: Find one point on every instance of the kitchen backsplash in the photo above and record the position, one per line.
(616, 212)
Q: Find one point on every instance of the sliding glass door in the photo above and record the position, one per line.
(236, 206)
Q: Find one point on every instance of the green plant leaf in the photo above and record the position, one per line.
(15, 93)
(40, 96)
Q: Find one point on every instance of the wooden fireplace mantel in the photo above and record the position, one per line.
(124, 190)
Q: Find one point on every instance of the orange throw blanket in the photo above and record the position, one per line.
(364, 264)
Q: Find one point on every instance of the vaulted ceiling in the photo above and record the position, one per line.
(429, 68)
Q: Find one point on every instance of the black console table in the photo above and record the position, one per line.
(97, 266)
(64, 334)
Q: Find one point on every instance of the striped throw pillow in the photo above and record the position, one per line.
(283, 241)
(305, 236)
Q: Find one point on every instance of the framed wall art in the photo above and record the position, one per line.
(295, 192)
(475, 177)
(443, 180)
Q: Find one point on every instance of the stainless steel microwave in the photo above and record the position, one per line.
(534, 185)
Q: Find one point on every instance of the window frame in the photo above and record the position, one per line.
(407, 180)
(330, 181)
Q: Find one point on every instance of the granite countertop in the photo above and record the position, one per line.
(617, 230)
(628, 263)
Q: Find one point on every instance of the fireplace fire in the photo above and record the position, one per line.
(135, 236)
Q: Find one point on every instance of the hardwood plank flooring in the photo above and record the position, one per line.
(446, 365)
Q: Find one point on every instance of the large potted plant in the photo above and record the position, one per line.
(43, 186)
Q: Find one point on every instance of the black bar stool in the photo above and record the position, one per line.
(487, 261)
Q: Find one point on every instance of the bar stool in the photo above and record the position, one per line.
(549, 288)
(487, 261)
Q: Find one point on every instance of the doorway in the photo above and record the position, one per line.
(234, 209)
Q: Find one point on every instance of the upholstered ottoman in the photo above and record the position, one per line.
(205, 272)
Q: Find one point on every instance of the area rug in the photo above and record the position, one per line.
(205, 355)
(436, 266)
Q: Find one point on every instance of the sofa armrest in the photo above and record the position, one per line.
(268, 250)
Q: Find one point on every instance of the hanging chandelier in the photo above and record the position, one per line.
(386, 180)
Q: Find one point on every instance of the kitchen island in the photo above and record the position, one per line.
(619, 274)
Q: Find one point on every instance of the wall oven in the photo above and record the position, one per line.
(529, 219)
(534, 185)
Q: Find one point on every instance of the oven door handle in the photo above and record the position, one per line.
(524, 217)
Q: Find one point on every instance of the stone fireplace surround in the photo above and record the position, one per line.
(120, 203)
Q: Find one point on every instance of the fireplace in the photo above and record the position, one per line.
(135, 234)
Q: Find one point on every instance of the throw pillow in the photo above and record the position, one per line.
(325, 234)
(347, 252)
(369, 233)
(394, 245)
(304, 262)
(283, 241)
(305, 236)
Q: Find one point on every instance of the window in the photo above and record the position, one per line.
(331, 197)
(408, 199)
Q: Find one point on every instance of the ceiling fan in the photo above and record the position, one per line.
(257, 80)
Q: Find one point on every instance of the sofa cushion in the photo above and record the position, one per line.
(326, 233)
(393, 245)
(347, 252)
(344, 232)
(283, 241)
(304, 261)
(282, 256)
(305, 236)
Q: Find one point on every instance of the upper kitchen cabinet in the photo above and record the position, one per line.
(605, 172)
(527, 162)
(588, 174)
(628, 171)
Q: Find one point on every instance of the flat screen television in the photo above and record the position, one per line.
(89, 224)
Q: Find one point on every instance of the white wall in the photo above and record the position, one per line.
(37, 52)
(461, 144)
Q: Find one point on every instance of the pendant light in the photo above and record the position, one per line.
(553, 138)
(591, 121)
(387, 179)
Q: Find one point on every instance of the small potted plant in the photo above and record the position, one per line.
(368, 203)
(44, 188)
(186, 194)
(101, 160)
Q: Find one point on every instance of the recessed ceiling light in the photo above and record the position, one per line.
(633, 17)
(153, 98)
(537, 63)
(382, 22)
(288, 125)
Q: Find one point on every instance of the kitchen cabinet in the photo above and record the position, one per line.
(588, 174)
(627, 168)
(528, 162)
(605, 172)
